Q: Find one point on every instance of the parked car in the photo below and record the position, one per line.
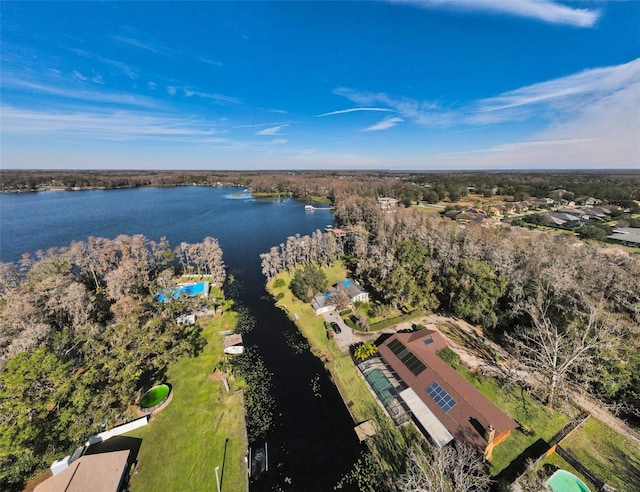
(336, 327)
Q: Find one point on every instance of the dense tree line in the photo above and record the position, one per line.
(81, 334)
(614, 187)
(317, 249)
(566, 306)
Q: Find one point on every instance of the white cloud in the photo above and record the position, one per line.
(541, 10)
(171, 90)
(73, 93)
(79, 76)
(384, 124)
(209, 61)
(279, 141)
(258, 125)
(553, 100)
(129, 71)
(103, 125)
(426, 113)
(218, 98)
(274, 130)
(602, 133)
(153, 47)
(564, 94)
(353, 110)
(152, 85)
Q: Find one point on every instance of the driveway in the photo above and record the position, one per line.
(344, 339)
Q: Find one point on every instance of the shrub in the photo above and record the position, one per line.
(279, 296)
(278, 283)
(364, 351)
(449, 356)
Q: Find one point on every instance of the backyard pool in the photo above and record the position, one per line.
(563, 481)
(198, 288)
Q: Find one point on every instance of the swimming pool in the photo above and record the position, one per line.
(198, 288)
(563, 481)
(380, 384)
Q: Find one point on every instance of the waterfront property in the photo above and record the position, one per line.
(321, 303)
(444, 405)
(190, 290)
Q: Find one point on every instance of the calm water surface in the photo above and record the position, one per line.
(313, 443)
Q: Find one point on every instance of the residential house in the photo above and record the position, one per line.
(354, 290)
(542, 202)
(465, 216)
(321, 303)
(387, 203)
(569, 219)
(629, 236)
(442, 403)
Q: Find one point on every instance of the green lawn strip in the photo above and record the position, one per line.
(429, 208)
(522, 407)
(612, 456)
(319, 199)
(186, 441)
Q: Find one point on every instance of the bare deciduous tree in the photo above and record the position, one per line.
(554, 345)
(452, 468)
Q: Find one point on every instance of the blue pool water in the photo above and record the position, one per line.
(380, 384)
(188, 290)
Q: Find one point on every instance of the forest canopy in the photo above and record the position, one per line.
(82, 334)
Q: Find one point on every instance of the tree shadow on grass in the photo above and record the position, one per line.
(626, 468)
(518, 466)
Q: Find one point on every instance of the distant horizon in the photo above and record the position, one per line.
(612, 170)
(266, 86)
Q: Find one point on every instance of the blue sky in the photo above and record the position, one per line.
(406, 84)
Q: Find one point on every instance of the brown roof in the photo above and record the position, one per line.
(95, 473)
(472, 413)
(235, 339)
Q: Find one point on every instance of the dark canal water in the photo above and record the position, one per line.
(313, 443)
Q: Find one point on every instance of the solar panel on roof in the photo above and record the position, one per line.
(441, 397)
(408, 359)
(429, 340)
(396, 346)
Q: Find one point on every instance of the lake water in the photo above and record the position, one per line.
(313, 443)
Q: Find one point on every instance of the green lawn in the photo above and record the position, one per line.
(615, 458)
(522, 407)
(201, 429)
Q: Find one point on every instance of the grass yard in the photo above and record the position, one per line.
(542, 422)
(202, 428)
(431, 209)
(615, 458)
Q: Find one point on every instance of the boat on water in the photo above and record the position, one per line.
(309, 208)
(258, 461)
(234, 350)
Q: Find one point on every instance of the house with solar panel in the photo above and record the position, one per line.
(414, 383)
